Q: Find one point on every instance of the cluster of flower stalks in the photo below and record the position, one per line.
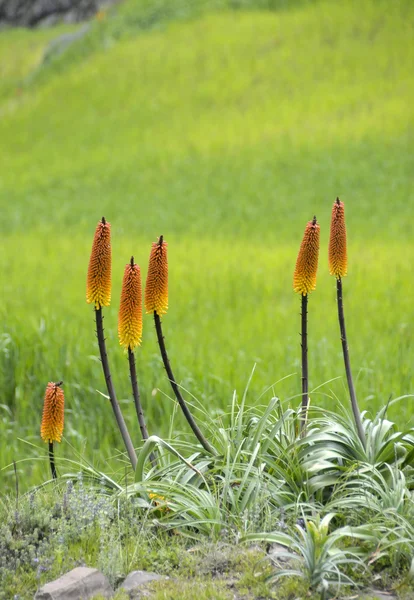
(98, 293)
(304, 281)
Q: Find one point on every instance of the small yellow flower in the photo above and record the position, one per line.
(159, 501)
(156, 288)
(130, 309)
(338, 260)
(156, 497)
(98, 285)
(53, 413)
(304, 278)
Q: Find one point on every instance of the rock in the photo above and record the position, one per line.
(137, 579)
(80, 583)
(30, 13)
(378, 595)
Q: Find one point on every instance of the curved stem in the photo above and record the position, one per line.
(352, 393)
(52, 460)
(135, 393)
(111, 391)
(176, 389)
(304, 346)
(137, 401)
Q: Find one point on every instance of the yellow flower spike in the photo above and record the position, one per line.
(130, 308)
(53, 413)
(156, 288)
(98, 285)
(304, 278)
(338, 260)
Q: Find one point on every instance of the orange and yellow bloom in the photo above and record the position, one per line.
(338, 260)
(98, 285)
(304, 278)
(51, 429)
(156, 288)
(130, 309)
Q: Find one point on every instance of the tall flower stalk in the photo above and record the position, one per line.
(304, 281)
(51, 428)
(98, 292)
(130, 330)
(156, 302)
(338, 266)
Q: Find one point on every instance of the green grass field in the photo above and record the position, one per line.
(225, 131)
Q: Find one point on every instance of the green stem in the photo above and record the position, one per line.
(352, 393)
(52, 460)
(304, 346)
(176, 389)
(137, 401)
(111, 391)
(135, 393)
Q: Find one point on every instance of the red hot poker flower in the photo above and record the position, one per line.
(338, 260)
(130, 309)
(304, 278)
(156, 288)
(98, 285)
(53, 413)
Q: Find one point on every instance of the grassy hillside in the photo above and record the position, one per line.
(226, 131)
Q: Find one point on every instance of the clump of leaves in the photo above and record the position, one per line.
(317, 552)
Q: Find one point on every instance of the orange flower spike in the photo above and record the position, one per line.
(130, 308)
(53, 413)
(304, 278)
(98, 285)
(156, 288)
(338, 260)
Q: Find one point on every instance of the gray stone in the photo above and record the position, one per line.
(137, 579)
(377, 595)
(79, 584)
(32, 13)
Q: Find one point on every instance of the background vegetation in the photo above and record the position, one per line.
(225, 127)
